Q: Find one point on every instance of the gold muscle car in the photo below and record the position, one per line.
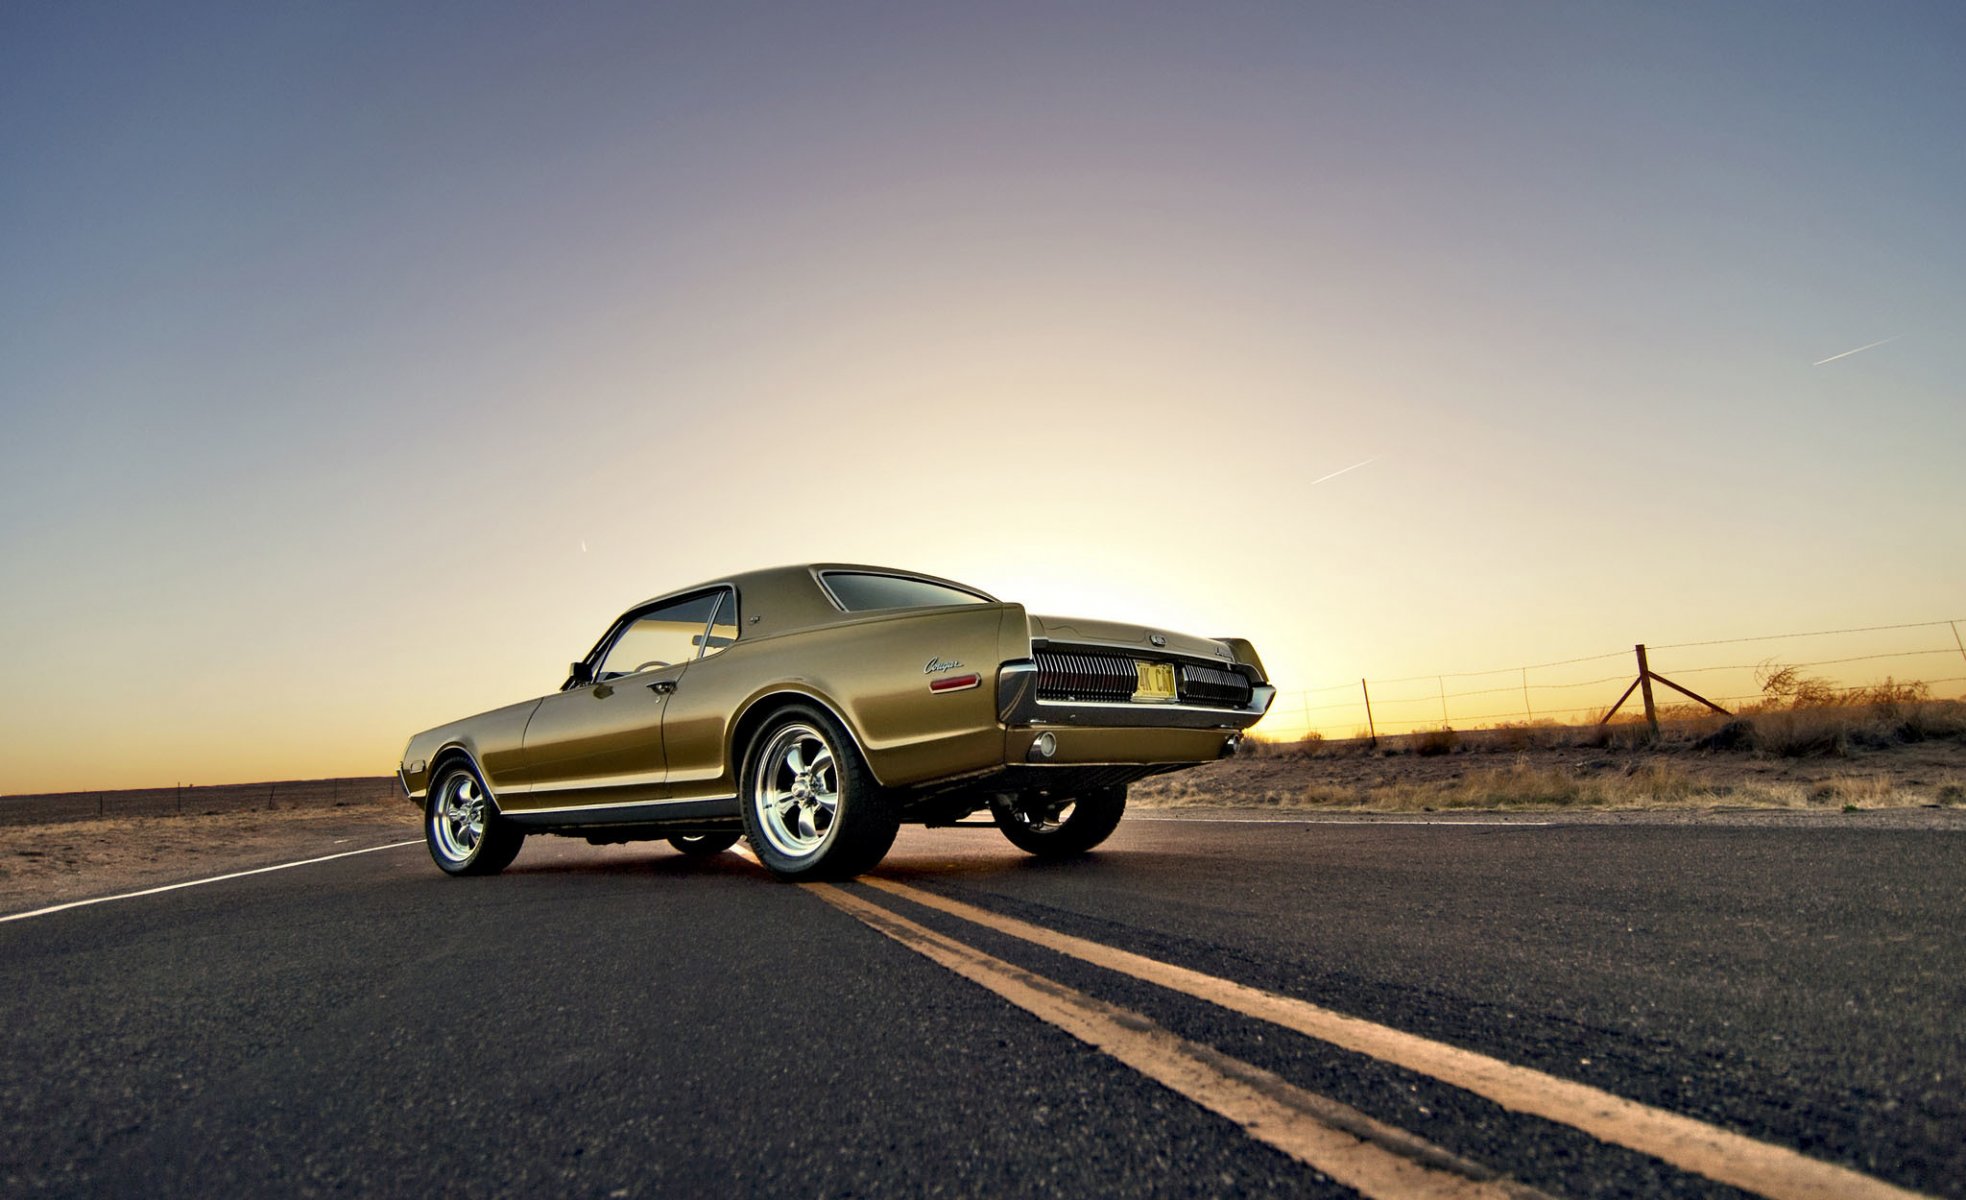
(815, 709)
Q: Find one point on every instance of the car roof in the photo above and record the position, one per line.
(781, 599)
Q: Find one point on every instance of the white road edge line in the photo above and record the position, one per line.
(172, 887)
(1331, 821)
(1685, 1142)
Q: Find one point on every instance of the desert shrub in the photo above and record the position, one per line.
(1738, 734)
(1257, 745)
(1932, 720)
(1596, 735)
(1430, 742)
(1512, 737)
(1807, 733)
(1891, 699)
(1310, 745)
(1627, 735)
(1786, 686)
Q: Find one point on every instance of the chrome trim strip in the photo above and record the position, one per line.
(650, 814)
(1145, 706)
(607, 805)
(1028, 712)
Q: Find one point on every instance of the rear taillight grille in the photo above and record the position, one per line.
(1113, 677)
(1086, 677)
(1209, 685)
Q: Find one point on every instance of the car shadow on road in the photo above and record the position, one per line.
(925, 866)
(643, 860)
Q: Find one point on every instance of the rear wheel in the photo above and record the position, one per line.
(465, 834)
(811, 807)
(1059, 828)
(703, 845)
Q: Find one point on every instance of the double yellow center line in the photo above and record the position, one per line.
(1358, 1151)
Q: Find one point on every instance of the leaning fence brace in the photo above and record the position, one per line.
(1646, 678)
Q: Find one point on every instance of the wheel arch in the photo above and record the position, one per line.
(762, 708)
(458, 752)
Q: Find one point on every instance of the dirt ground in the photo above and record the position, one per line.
(74, 860)
(49, 864)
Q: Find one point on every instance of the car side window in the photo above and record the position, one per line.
(660, 637)
(723, 625)
(862, 591)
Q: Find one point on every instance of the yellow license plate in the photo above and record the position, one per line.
(1156, 681)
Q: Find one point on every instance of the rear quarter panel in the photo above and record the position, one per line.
(874, 672)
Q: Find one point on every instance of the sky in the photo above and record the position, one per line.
(359, 363)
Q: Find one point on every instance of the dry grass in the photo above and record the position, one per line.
(1539, 781)
(1874, 718)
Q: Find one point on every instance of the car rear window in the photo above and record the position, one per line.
(859, 592)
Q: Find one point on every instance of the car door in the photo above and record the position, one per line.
(600, 743)
(697, 717)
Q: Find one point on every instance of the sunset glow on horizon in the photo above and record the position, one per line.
(360, 364)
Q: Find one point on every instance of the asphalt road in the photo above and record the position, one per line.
(628, 1022)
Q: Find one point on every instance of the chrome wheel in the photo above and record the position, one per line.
(457, 823)
(1059, 827)
(795, 794)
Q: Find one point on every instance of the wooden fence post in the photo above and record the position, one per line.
(1645, 688)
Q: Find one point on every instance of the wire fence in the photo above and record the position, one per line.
(1575, 691)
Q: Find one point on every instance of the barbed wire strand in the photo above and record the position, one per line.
(1827, 662)
(1565, 662)
(1777, 637)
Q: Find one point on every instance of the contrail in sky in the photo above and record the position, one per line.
(1859, 350)
(1335, 474)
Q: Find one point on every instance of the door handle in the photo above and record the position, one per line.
(662, 687)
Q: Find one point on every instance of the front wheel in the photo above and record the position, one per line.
(812, 809)
(465, 834)
(1053, 828)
